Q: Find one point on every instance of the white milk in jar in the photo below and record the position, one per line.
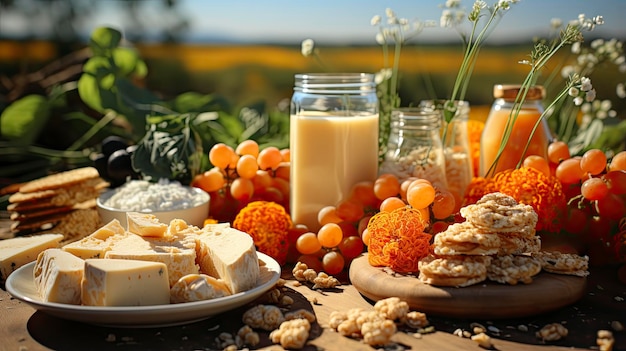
(333, 141)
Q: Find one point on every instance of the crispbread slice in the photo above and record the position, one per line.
(29, 205)
(60, 180)
(19, 198)
(38, 213)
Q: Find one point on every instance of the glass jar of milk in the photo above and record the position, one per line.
(333, 140)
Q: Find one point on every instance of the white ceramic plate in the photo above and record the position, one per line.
(20, 284)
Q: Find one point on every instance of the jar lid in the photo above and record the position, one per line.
(510, 91)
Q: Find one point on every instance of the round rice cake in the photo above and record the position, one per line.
(499, 212)
(517, 245)
(513, 269)
(465, 239)
(457, 271)
(563, 263)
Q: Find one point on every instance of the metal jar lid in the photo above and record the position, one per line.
(510, 91)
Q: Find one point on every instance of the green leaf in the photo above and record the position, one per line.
(125, 61)
(23, 120)
(196, 102)
(104, 39)
(169, 149)
(92, 94)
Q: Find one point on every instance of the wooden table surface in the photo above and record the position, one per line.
(23, 328)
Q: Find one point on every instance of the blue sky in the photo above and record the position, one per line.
(335, 22)
(346, 21)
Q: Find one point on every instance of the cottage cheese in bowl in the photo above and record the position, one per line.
(165, 199)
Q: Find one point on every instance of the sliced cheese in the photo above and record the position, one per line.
(145, 224)
(228, 254)
(178, 255)
(16, 252)
(58, 275)
(110, 282)
(198, 287)
(99, 242)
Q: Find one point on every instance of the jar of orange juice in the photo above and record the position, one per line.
(503, 117)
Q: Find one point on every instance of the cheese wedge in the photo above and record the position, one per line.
(110, 282)
(145, 224)
(228, 254)
(178, 255)
(16, 252)
(58, 275)
(99, 242)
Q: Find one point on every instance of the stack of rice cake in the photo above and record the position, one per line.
(63, 203)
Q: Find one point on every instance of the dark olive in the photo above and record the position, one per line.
(100, 162)
(113, 143)
(119, 166)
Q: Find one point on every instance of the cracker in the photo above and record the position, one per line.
(38, 213)
(563, 263)
(465, 239)
(29, 205)
(459, 271)
(513, 269)
(89, 189)
(501, 213)
(516, 245)
(77, 225)
(19, 198)
(36, 224)
(60, 180)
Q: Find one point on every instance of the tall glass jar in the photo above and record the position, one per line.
(333, 140)
(456, 146)
(414, 147)
(500, 116)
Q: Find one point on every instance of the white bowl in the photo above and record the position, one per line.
(192, 215)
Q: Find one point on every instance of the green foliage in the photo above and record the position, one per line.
(173, 136)
(23, 120)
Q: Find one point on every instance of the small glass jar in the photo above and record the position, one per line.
(414, 147)
(333, 140)
(456, 146)
(502, 115)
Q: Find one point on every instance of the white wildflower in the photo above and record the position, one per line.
(476, 9)
(576, 48)
(452, 3)
(598, 20)
(567, 71)
(375, 20)
(308, 46)
(573, 91)
(380, 38)
(595, 44)
(590, 95)
(446, 18)
(578, 101)
(556, 23)
(585, 84)
(620, 90)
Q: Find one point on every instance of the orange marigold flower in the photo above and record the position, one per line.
(397, 239)
(531, 187)
(478, 188)
(268, 223)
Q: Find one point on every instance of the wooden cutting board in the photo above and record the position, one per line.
(487, 300)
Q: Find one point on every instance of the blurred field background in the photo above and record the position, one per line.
(246, 74)
(44, 44)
